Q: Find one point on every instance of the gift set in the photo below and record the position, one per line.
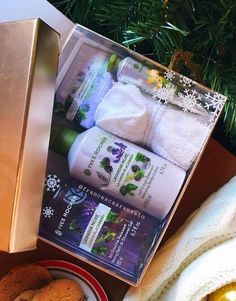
(126, 136)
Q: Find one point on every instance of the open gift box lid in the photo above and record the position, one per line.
(28, 66)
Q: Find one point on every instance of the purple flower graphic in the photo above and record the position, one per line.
(117, 151)
(89, 208)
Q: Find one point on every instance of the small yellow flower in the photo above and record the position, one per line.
(154, 77)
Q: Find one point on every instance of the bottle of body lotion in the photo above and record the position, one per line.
(120, 168)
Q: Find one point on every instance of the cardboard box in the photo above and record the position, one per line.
(191, 93)
(28, 66)
(13, 10)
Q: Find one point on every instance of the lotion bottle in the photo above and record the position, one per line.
(120, 168)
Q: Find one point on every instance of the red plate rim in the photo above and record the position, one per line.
(76, 269)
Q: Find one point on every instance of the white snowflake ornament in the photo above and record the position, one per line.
(169, 75)
(163, 95)
(216, 101)
(189, 100)
(185, 81)
(52, 183)
(48, 212)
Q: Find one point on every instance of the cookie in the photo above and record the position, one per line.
(26, 296)
(23, 278)
(60, 290)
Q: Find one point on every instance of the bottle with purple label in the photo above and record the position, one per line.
(99, 227)
(122, 169)
(85, 83)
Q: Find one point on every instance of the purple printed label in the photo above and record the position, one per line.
(99, 227)
(84, 85)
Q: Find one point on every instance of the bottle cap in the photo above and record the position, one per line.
(225, 293)
(61, 139)
(113, 63)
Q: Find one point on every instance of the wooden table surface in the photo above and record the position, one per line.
(216, 167)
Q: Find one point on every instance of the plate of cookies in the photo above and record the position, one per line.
(52, 280)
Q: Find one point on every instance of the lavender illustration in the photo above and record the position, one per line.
(89, 208)
(117, 151)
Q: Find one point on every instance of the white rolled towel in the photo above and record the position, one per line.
(171, 133)
(199, 258)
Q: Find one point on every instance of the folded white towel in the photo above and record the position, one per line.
(199, 258)
(173, 134)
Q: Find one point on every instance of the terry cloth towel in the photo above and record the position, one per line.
(199, 258)
(171, 133)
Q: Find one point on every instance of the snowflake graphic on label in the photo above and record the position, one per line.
(48, 212)
(189, 100)
(52, 183)
(185, 81)
(169, 75)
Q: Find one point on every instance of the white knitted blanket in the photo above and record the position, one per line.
(199, 258)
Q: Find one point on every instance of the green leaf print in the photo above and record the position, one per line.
(123, 190)
(106, 237)
(73, 226)
(81, 114)
(112, 217)
(141, 158)
(101, 250)
(128, 189)
(139, 175)
(130, 193)
(102, 163)
(131, 186)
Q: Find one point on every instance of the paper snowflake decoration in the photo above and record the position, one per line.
(52, 183)
(163, 95)
(215, 102)
(189, 100)
(185, 81)
(169, 75)
(48, 212)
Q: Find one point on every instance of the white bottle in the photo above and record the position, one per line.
(120, 168)
(130, 71)
(150, 81)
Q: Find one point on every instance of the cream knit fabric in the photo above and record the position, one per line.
(208, 272)
(199, 258)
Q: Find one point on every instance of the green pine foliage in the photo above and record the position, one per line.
(157, 28)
